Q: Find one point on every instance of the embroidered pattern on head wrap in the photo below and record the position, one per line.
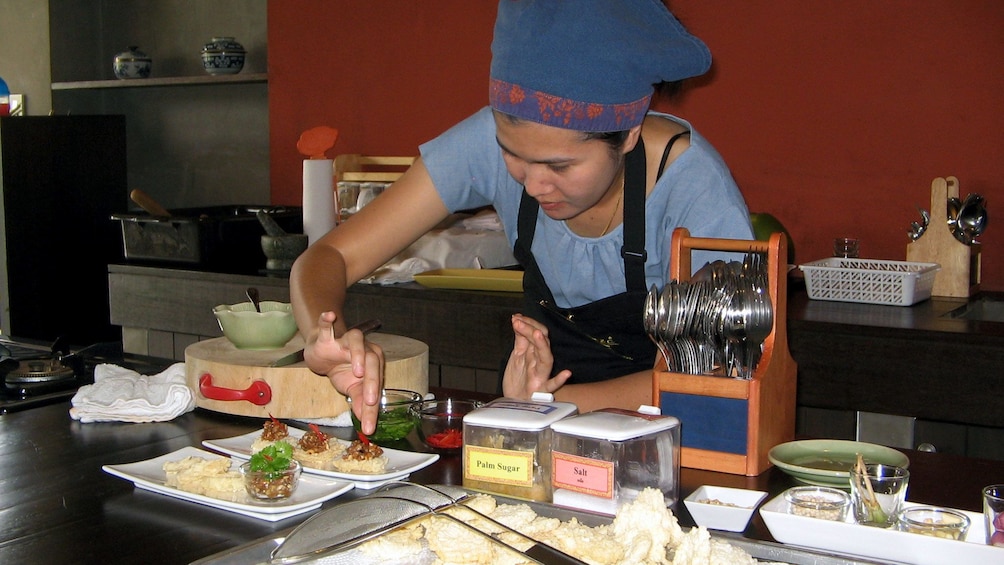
(552, 110)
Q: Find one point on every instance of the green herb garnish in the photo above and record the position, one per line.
(273, 460)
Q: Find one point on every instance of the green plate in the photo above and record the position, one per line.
(827, 462)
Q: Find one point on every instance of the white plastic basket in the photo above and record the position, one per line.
(870, 281)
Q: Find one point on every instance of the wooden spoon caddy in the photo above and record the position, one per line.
(961, 264)
(729, 424)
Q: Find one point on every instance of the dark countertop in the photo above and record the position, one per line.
(917, 361)
(60, 507)
(928, 316)
(933, 316)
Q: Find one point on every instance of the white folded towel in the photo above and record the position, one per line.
(123, 395)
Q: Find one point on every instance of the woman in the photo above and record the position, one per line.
(589, 186)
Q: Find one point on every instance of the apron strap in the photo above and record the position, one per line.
(633, 251)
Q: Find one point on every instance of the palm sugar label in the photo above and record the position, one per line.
(582, 474)
(503, 466)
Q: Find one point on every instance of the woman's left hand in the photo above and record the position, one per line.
(530, 363)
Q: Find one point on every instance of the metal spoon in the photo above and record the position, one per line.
(252, 293)
(972, 219)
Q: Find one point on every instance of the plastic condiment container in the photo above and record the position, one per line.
(603, 459)
(507, 446)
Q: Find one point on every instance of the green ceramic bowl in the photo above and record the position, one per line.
(828, 462)
(247, 329)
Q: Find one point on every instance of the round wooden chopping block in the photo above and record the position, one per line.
(296, 391)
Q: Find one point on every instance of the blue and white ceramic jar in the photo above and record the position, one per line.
(223, 56)
(132, 64)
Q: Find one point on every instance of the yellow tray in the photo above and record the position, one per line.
(473, 279)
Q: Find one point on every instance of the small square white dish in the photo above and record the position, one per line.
(309, 494)
(400, 464)
(723, 508)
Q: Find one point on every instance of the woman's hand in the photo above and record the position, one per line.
(353, 365)
(530, 363)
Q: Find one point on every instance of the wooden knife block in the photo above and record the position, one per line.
(960, 263)
(728, 424)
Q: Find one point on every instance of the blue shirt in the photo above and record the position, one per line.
(696, 191)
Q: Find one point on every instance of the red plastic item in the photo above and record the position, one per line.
(314, 142)
(259, 393)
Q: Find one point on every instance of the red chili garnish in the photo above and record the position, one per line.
(323, 436)
(450, 439)
(362, 437)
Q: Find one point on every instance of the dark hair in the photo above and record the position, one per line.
(615, 139)
(668, 90)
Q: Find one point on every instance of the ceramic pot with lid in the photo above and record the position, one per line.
(132, 63)
(223, 56)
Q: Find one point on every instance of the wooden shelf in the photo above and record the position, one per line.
(162, 81)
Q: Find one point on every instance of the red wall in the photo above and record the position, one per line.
(834, 116)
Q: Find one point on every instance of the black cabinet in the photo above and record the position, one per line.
(62, 178)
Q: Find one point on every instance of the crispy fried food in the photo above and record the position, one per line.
(647, 527)
(313, 441)
(274, 430)
(644, 532)
(362, 451)
(208, 477)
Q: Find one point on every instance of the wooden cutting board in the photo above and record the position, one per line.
(295, 391)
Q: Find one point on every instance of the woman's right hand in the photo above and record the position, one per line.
(353, 365)
(531, 361)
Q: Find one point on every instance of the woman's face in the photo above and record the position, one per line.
(566, 173)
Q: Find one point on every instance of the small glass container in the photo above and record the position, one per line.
(933, 521)
(271, 485)
(507, 446)
(847, 247)
(818, 502)
(396, 418)
(348, 194)
(603, 459)
(441, 422)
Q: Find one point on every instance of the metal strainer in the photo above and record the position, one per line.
(328, 535)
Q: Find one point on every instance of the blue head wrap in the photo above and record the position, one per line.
(588, 65)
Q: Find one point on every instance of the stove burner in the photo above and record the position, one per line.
(39, 371)
(35, 375)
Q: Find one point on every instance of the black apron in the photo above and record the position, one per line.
(603, 339)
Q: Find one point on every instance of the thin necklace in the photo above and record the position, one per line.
(617, 206)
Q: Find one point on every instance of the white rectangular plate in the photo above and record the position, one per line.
(400, 464)
(876, 543)
(311, 492)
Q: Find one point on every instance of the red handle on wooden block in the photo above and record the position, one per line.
(259, 393)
